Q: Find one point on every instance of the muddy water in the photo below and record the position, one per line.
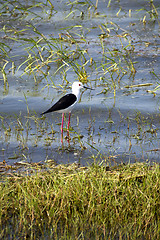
(119, 129)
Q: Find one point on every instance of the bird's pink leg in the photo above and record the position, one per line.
(62, 128)
(69, 118)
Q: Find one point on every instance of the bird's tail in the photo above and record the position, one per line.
(45, 112)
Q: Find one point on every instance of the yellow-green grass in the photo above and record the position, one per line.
(95, 202)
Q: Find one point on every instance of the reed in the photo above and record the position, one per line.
(68, 201)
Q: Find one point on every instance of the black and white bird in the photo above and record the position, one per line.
(67, 103)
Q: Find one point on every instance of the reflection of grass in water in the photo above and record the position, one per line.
(28, 132)
(95, 201)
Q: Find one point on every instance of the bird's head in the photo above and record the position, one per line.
(76, 86)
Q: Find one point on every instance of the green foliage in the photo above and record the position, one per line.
(93, 201)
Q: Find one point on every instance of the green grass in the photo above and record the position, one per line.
(95, 202)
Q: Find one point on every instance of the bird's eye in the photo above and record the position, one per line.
(79, 84)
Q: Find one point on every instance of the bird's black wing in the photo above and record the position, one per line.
(63, 103)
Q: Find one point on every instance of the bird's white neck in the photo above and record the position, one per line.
(77, 93)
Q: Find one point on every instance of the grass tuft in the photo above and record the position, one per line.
(94, 201)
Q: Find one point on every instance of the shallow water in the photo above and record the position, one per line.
(117, 129)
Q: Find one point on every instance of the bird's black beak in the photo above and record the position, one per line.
(88, 88)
